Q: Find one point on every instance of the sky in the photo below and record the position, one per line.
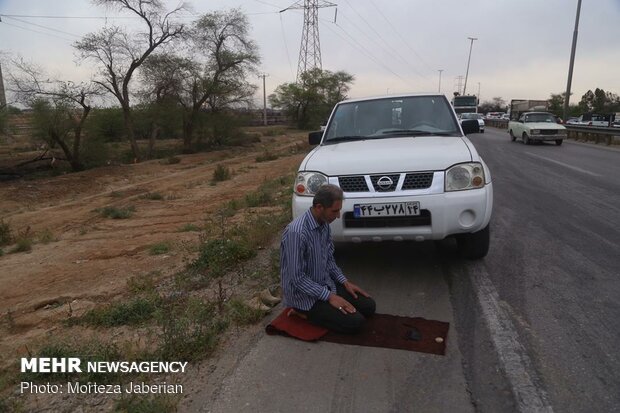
(522, 49)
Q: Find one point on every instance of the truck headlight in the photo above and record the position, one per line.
(535, 131)
(308, 183)
(464, 176)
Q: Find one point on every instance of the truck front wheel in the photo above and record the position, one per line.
(474, 246)
(558, 142)
(526, 139)
(512, 136)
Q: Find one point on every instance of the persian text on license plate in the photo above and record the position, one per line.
(396, 209)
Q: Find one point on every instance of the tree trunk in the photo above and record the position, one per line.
(75, 163)
(188, 132)
(77, 139)
(130, 134)
(154, 132)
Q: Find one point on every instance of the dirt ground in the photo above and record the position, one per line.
(87, 258)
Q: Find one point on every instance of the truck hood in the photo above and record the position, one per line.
(402, 154)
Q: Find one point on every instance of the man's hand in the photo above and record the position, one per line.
(341, 304)
(354, 289)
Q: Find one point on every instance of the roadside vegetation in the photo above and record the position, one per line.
(183, 316)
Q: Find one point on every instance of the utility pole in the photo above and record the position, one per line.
(478, 93)
(439, 70)
(2, 95)
(468, 59)
(572, 62)
(264, 75)
(310, 50)
(459, 82)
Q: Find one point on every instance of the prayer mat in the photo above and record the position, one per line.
(380, 330)
(294, 326)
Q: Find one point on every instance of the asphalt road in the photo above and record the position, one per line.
(551, 279)
(535, 326)
(279, 374)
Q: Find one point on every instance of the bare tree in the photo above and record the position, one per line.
(212, 71)
(70, 103)
(120, 54)
(159, 77)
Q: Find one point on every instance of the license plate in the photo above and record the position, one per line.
(396, 209)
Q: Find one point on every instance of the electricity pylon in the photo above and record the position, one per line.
(310, 50)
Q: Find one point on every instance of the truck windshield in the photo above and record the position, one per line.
(540, 117)
(392, 117)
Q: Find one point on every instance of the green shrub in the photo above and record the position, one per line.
(106, 125)
(94, 152)
(221, 173)
(117, 213)
(46, 236)
(273, 131)
(22, 245)
(153, 196)
(6, 234)
(220, 255)
(242, 314)
(133, 312)
(189, 228)
(266, 156)
(259, 198)
(159, 248)
(189, 329)
(142, 284)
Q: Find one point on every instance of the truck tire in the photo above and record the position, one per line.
(512, 136)
(526, 139)
(558, 142)
(476, 245)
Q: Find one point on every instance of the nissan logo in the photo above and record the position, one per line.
(385, 182)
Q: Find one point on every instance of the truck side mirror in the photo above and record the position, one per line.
(470, 126)
(314, 138)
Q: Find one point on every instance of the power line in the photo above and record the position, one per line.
(66, 17)
(37, 31)
(288, 57)
(361, 48)
(394, 55)
(390, 25)
(385, 42)
(268, 4)
(43, 27)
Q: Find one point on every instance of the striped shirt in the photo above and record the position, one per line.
(307, 267)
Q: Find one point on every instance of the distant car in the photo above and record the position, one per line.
(476, 116)
(505, 116)
(495, 115)
(572, 121)
(592, 119)
(536, 127)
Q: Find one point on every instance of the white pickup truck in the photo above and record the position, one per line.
(536, 126)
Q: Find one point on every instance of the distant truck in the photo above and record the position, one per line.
(465, 104)
(530, 121)
(518, 106)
